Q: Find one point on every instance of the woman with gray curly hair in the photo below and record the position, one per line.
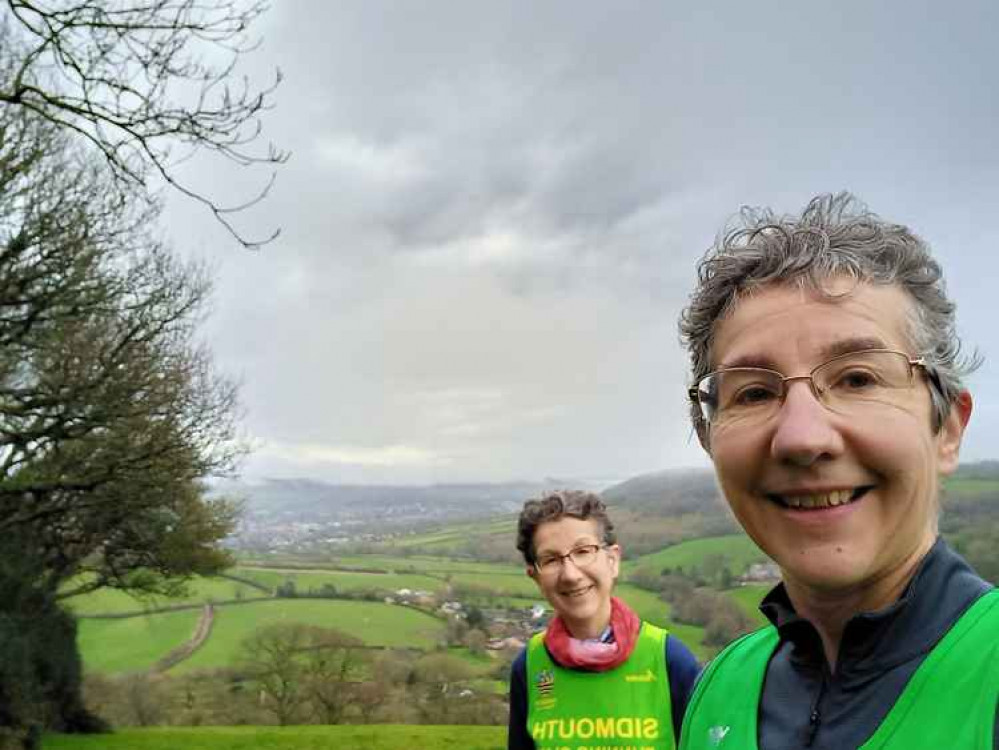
(827, 390)
(597, 676)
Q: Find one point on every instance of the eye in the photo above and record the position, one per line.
(856, 380)
(547, 562)
(754, 395)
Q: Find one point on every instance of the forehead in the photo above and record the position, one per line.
(565, 533)
(783, 326)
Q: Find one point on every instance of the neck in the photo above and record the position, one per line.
(590, 628)
(829, 610)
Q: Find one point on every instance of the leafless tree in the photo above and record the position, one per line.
(294, 665)
(332, 667)
(144, 82)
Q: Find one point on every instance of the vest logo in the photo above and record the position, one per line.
(597, 727)
(545, 681)
(717, 734)
(647, 676)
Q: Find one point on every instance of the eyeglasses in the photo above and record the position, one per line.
(846, 384)
(582, 556)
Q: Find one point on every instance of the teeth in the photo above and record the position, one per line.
(825, 500)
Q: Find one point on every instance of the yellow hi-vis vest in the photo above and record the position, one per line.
(625, 708)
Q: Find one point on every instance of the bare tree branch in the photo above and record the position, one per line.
(135, 80)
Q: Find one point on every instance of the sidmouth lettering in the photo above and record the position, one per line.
(605, 728)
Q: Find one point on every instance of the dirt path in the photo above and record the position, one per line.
(201, 632)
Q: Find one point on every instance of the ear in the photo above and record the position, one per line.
(951, 433)
(614, 555)
(532, 573)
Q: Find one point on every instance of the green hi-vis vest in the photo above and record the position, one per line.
(950, 701)
(625, 708)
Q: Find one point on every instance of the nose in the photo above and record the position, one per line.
(569, 570)
(804, 432)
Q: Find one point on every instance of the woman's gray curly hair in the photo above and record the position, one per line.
(836, 235)
(552, 506)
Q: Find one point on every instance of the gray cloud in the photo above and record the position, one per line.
(493, 211)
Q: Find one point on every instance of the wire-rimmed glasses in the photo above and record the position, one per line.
(844, 384)
(582, 556)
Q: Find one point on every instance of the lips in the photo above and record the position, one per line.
(819, 500)
(576, 593)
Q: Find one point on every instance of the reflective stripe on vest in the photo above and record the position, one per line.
(625, 708)
(949, 702)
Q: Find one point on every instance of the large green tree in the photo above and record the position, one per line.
(111, 416)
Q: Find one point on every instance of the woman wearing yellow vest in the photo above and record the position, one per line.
(597, 677)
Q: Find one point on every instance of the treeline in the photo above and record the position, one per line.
(696, 598)
(298, 674)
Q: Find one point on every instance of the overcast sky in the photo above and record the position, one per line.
(493, 211)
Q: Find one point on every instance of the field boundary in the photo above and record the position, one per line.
(245, 581)
(201, 632)
(169, 608)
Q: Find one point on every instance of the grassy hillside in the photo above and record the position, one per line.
(133, 643)
(738, 550)
(377, 563)
(386, 737)
(199, 591)
(374, 623)
(342, 580)
(455, 538)
(749, 597)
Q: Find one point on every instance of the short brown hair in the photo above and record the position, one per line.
(552, 506)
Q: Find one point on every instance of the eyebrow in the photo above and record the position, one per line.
(829, 351)
(581, 542)
(854, 344)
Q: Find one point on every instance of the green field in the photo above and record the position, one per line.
(454, 538)
(375, 623)
(503, 581)
(343, 580)
(133, 643)
(137, 643)
(651, 608)
(382, 737)
(420, 564)
(748, 597)
(738, 550)
(985, 489)
(199, 591)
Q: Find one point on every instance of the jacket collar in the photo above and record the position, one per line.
(942, 588)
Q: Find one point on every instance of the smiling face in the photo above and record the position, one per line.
(841, 504)
(580, 596)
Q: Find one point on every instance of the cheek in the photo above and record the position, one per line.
(736, 462)
(900, 449)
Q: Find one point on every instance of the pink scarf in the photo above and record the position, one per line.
(595, 655)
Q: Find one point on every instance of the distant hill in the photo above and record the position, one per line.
(301, 497)
(303, 514)
(670, 492)
(662, 507)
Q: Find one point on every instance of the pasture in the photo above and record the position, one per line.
(342, 580)
(364, 737)
(199, 591)
(374, 623)
(456, 538)
(738, 550)
(749, 597)
(133, 643)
